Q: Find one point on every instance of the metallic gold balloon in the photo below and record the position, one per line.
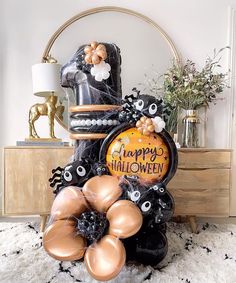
(94, 44)
(140, 129)
(101, 47)
(105, 259)
(68, 203)
(148, 121)
(139, 124)
(151, 128)
(88, 58)
(95, 59)
(102, 191)
(88, 49)
(61, 241)
(101, 53)
(125, 219)
(146, 132)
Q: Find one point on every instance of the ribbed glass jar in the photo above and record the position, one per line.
(192, 129)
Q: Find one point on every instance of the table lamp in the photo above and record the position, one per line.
(46, 83)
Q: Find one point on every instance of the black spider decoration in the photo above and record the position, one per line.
(75, 173)
(138, 105)
(155, 202)
(100, 169)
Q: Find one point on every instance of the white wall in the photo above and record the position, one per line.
(195, 26)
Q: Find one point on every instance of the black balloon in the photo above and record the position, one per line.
(148, 247)
(87, 91)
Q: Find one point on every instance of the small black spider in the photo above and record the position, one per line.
(138, 105)
(73, 174)
(100, 169)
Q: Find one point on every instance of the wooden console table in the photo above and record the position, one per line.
(200, 187)
(26, 174)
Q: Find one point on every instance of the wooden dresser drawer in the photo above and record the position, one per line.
(204, 159)
(201, 185)
(201, 193)
(199, 179)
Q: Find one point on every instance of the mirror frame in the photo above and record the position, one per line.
(89, 12)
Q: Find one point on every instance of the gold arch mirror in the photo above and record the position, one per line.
(145, 48)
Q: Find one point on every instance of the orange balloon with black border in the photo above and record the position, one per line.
(134, 154)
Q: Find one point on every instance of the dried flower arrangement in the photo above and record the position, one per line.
(183, 86)
(188, 88)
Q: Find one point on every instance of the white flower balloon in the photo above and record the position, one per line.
(101, 71)
(158, 123)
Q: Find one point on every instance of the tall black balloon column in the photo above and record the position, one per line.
(98, 102)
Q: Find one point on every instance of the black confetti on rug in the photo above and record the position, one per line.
(33, 228)
(188, 244)
(148, 277)
(68, 271)
(51, 279)
(206, 248)
(227, 257)
(205, 226)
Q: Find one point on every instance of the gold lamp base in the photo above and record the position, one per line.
(38, 140)
(50, 109)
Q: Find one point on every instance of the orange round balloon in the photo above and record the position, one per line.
(133, 154)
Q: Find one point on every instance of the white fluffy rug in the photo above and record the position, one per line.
(209, 256)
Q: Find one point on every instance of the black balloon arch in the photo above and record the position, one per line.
(112, 200)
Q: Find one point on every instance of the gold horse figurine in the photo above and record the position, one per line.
(49, 109)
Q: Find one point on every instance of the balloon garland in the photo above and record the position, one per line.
(111, 203)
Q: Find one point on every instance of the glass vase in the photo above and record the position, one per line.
(192, 129)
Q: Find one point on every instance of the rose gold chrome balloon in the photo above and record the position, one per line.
(102, 191)
(94, 44)
(95, 59)
(61, 241)
(102, 54)
(88, 58)
(101, 47)
(88, 49)
(151, 128)
(105, 259)
(68, 203)
(125, 219)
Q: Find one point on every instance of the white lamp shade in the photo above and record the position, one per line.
(46, 79)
